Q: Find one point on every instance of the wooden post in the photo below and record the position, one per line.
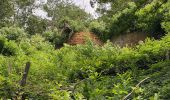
(9, 68)
(24, 77)
(167, 55)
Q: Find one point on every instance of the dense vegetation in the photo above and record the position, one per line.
(88, 71)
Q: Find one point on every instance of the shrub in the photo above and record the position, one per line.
(123, 21)
(8, 48)
(39, 43)
(12, 33)
(54, 37)
(76, 25)
(166, 23)
(99, 28)
(87, 71)
(150, 17)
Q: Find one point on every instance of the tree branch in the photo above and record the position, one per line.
(125, 98)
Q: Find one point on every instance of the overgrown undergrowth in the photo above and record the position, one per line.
(84, 71)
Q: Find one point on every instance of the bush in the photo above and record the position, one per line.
(166, 23)
(39, 43)
(76, 25)
(54, 37)
(87, 71)
(150, 17)
(123, 21)
(99, 28)
(12, 33)
(8, 48)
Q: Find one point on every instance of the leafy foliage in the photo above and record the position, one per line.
(99, 28)
(12, 33)
(118, 20)
(84, 71)
(36, 25)
(144, 16)
(88, 71)
(6, 11)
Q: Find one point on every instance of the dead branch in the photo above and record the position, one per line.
(125, 98)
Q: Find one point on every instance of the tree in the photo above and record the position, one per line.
(36, 25)
(59, 10)
(150, 17)
(6, 12)
(24, 9)
(141, 15)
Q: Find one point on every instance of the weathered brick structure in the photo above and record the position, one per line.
(80, 37)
